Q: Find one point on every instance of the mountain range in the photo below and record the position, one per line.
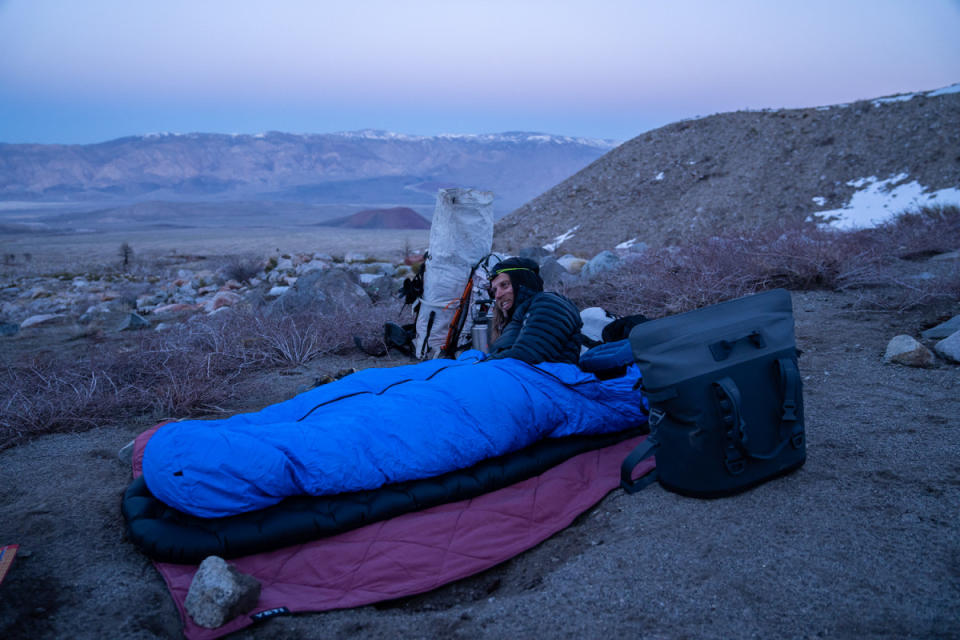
(354, 170)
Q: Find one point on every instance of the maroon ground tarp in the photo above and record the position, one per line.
(414, 552)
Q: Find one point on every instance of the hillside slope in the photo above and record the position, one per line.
(393, 218)
(695, 178)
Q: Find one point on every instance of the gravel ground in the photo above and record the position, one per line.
(863, 541)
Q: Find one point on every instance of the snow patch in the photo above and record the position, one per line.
(819, 200)
(627, 243)
(659, 176)
(902, 98)
(515, 137)
(878, 201)
(563, 237)
(954, 88)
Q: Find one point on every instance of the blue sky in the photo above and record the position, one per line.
(80, 71)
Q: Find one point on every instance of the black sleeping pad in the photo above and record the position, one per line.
(168, 535)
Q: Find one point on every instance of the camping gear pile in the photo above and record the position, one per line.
(390, 482)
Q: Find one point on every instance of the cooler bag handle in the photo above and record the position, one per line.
(644, 450)
(728, 397)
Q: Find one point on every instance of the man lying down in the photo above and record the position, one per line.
(382, 426)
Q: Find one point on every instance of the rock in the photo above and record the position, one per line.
(276, 292)
(571, 263)
(942, 330)
(169, 309)
(594, 320)
(367, 278)
(904, 349)
(603, 261)
(381, 287)
(220, 300)
(219, 593)
(9, 329)
(284, 264)
(37, 292)
(949, 348)
(953, 255)
(378, 268)
(44, 320)
(326, 292)
(355, 256)
(313, 265)
(552, 273)
(133, 322)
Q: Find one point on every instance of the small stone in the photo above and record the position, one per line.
(220, 300)
(355, 256)
(44, 320)
(905, 350)
(571, 263)
(133, 322)
(952, 255)
(176, 307)
(219, 593)
(942, 330)
(276, 292)
(949, 348)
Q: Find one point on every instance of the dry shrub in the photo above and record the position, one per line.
(297, 338)
(242, 268)
(676, 279)
(192, 368)
(920, 233)
(44, 395)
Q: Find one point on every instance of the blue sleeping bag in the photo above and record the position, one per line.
(381, 426)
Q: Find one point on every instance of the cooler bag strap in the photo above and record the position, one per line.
(728, 397)
(790, 389)
(644, 450)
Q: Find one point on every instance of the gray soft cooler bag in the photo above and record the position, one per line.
(725, 395)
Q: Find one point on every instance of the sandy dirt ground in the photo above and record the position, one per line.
(862, 542)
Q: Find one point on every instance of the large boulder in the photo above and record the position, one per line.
(603, 261)
(325, 292)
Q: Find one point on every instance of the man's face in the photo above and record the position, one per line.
(502, 292)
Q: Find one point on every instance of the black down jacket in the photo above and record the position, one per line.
(543, 328)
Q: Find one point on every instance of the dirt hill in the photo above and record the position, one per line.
(743, 169)
(393, 218)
